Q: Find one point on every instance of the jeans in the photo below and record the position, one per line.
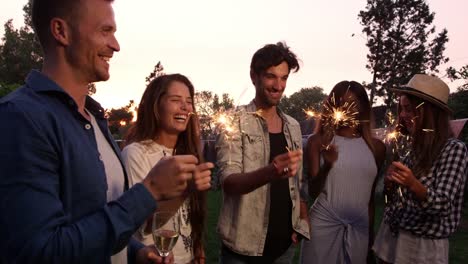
(229, 257)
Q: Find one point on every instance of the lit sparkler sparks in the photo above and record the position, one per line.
(341, 115)
(225, 122)
(310, 113)
(336, 115)
(399, 144)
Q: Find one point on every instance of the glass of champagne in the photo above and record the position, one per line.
(165, 230)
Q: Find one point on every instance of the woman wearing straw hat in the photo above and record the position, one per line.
(432, 178)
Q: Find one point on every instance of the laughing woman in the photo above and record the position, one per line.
(432, 179)
(166, 125)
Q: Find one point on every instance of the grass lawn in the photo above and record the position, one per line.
(212, 239)
(458, 242)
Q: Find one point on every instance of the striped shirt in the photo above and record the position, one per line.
(439, 215)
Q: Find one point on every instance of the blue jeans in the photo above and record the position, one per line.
(229, 257)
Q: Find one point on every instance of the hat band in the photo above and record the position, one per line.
(406, 88)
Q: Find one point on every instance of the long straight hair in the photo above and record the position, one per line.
(431, 132)
(147, 126)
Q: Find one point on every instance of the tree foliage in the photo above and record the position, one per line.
(207, 105)
(402, 42)
(91, 88)
(458, 102)
(7, 88)
(20, 51)
(119, 119)
(157, 71)
(304, 99)
(461, 74)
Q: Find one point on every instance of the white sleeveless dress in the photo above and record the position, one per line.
(339, 215)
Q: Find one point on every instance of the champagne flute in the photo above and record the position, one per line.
(165, 230)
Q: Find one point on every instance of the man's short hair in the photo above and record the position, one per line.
(44, 10)
(272, 55)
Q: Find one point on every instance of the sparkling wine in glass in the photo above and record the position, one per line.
(165, 230)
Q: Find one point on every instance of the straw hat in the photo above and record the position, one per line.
(428, 88)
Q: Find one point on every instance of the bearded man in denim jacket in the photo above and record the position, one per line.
(264, 213)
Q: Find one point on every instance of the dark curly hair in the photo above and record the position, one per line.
(273, 55)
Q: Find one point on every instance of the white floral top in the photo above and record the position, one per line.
(139, 159)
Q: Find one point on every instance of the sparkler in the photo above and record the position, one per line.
(336, 115)
(310, 113)
(424, 129)
(399, 144)
(225, 122)
(343, 115)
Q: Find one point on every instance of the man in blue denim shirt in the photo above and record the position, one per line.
(54, 181)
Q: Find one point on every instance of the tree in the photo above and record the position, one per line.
(461, 74)
(119, 119)
(227, 102)
(204, 102)
(458, 102)
(304, 99)
(20, 51)
(208, 105)
(399, 34)
(91, 89)
(157, 71)
(7, 88)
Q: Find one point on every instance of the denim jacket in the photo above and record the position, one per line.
(53, 184)
(243, 220)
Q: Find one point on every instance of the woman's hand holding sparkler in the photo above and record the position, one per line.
(404, 176)
(330, 154)
(401, 174)
(286, 164)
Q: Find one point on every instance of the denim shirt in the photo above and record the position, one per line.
(243, 220)
(53, 183)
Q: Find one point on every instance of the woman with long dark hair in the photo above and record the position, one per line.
(343, 160)
(167, 125)
(419, 220)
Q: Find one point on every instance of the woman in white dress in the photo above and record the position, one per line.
(343, 161)
(167, 125)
